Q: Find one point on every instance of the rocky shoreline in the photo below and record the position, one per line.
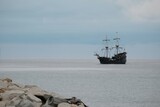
(18, 95)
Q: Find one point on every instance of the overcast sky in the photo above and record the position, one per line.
(76, 28)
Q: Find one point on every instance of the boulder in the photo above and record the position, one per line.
(22, 101)
(33, 98)
(3, 84)
(13, 86)
(2, 103)
(15, 101)
(64, 105)
(17, 95)
(25, 103)
(9, 95)
(69, 105)
(35, 91)
(2, 90)
(62, 102)
(7, 80)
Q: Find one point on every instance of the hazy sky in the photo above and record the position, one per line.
(75, 28)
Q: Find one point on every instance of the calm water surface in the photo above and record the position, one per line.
(136, 84)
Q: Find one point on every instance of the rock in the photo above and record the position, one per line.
(55, 95)
(78, 102)
(1, 98)
(16, 95)
(9, 95)
(62, 102)
(29, 86)
(2, 90)
(3, 85)
(46, 105)
(2, 103)
(21, 101)
(15, 101)
(69, 105)
(73, 105)
(53, 101)
(64, 105)
(50, 102)
(43, 98)
(35, 91)
(82, 105)
(33, 98)
(37, 104)
(25, 103)
(13, 86)
(9, 106)
(7, 80)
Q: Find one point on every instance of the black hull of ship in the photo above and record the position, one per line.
(117, 59)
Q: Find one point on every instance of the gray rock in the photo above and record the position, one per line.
(1, 98)
(33, 98)
(2, 90)
(25, 103)
(35, 91)
(22, 101)
(7, 80)
(9, 106)
(55, 100)
(13, 102)
(29, 86)
(81, 105)
(3, 85)
(13, 86)
(10, 94)
(64, 105)
(46, 105)
(2, 103)
(16, 95)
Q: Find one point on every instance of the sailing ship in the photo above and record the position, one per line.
(119, 56)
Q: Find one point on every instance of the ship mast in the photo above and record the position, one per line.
(106, 48)
(117, 43)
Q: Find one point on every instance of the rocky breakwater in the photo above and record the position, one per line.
(17, 95)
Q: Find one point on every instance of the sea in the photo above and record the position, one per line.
(134, 84)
